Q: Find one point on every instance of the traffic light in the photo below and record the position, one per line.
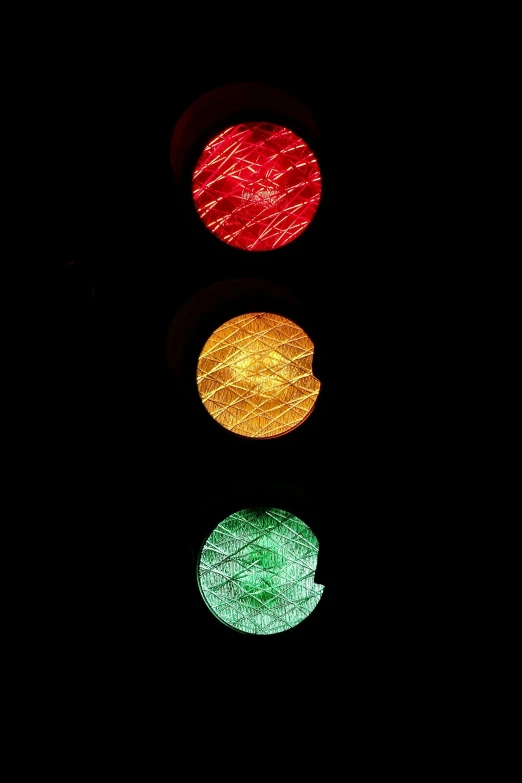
(243, 351)
(242, 448)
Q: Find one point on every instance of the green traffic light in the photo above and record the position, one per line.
(256, 571)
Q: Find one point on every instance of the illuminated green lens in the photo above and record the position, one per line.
(256, 571)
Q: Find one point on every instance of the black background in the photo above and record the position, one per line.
(132, 481)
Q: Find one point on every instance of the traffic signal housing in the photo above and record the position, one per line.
(242, 352)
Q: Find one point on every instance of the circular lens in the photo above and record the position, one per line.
(257, 186)
(254, 375)
(256, 571)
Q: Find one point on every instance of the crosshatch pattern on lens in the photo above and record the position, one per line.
(257, 186)
(255, 377)
(256, 571)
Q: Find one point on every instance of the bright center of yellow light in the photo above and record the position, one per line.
(263, 371)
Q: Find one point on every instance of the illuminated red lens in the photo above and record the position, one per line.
(257, 186)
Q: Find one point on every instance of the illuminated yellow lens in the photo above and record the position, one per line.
(255, 375)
